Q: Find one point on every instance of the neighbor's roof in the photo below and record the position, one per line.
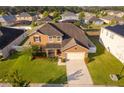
(88, 17)
(8, 35)
(48, 18)
(24, 14)
(118, 29)
(113, 18)
(7, 18)
(49, 30)
(115, 12)
(68, 13)
(95, 19)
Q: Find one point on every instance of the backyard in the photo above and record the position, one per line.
(41, 70)
(102, 64)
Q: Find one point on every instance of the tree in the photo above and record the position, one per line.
(33, 24)
(45, 14)
(56, 19)
(113, 22)
(56, 14)
(123, 16)
(77, 23)
(81, 15)
(16, 80)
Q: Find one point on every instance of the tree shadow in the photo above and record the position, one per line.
(58, 82)
(75, 75)
(54, 82)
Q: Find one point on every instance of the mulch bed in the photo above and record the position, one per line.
(38, 57)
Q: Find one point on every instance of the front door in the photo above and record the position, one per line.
(51, 53)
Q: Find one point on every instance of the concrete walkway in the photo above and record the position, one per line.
(78, 74)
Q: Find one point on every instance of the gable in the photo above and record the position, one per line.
(76, 48)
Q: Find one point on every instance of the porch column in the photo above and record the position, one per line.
(55, 52)
(47, 52)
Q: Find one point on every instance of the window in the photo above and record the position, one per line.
(102, 31)
(111, 36)
(50, 38)
(107, 33)
(58, 38)
(37, 39)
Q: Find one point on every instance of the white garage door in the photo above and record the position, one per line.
(75, 55)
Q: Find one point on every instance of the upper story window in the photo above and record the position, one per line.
(37, 39)
(50, 38)
(58, 38)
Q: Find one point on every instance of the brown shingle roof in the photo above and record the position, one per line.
(49, 30)
(48, 18)
(68, 13)
(67, 43)
(57, 46)
(74, 32)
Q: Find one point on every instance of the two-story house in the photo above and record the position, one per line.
(25, 18)
(47, 19)
(68, 16)
(115, 13)
(109, 19)
(62, 39)
(10, 37)
(112, 37)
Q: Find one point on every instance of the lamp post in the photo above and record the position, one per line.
(116, 77)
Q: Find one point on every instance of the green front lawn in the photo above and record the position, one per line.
(36, 71)
(102, 64)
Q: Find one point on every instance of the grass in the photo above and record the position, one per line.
(102, 64)
(36, 71)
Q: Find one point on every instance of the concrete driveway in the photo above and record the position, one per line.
(78, 74)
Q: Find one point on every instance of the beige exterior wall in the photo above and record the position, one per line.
(24, 18)
(76, 48)
(113, 43)
(44, 39)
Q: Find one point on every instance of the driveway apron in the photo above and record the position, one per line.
(78, 74)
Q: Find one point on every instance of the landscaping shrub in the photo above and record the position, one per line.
(53, 59)
(39, 54)
(35, 48)
(63, 60)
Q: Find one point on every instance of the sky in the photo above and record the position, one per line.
(61, 2)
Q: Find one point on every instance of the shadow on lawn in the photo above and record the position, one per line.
(58, 82)
(99, 47)
(60, 79)
(15, 55)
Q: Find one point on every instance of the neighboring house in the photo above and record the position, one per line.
(62, 39)
(69, 17)
(109, 19)
(47, 19)
(7, 20)
(24, 18)
(115, 13)
(87, 19)
(96, 21)
(112, 37)
(10, 37)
